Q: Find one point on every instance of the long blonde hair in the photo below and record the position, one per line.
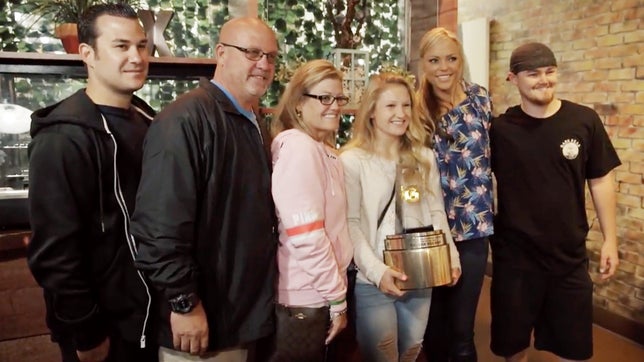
(432, 107)
(306, 76)
(363, 133)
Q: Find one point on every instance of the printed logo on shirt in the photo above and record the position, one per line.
(305, 223)
(304, 217)
(570, 148)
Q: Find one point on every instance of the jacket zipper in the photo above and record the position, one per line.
(130, 239)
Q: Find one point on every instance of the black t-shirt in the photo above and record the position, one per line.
(129, 128)
(541, 167)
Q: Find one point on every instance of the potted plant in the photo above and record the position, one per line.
(65, 15)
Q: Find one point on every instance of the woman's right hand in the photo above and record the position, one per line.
(338, 323)
(387, 282)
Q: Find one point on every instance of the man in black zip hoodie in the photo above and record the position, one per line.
(85, 166)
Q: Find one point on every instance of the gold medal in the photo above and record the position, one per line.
(410, 193)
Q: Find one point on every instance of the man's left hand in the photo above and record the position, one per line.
(608, 260)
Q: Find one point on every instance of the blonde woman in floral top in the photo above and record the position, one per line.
(458, 115)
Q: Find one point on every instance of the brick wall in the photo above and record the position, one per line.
(423, 18)
(599, 46)
(447, 14)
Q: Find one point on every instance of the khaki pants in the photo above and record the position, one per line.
(228, 355)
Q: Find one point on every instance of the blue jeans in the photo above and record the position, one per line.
(450, 330)
(390, 329)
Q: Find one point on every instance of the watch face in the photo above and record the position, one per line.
(183, 303)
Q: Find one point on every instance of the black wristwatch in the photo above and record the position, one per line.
(184, 303)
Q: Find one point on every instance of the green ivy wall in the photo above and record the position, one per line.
(305, 30)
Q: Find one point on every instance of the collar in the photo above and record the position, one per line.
(246, 113)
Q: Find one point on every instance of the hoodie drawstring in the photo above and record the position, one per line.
(101, 206)
(128, 236)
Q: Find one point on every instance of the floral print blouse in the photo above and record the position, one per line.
(464, 165)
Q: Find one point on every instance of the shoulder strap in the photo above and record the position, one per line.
(382, 214)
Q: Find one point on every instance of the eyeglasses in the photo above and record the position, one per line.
(327, 99)
(254, 54)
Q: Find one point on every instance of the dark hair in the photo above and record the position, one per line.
(87, 32)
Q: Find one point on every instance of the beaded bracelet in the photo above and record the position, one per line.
(335, 315)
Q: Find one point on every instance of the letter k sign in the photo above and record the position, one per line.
(154, 30)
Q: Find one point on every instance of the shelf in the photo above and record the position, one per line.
(13, 240)
(29, 63)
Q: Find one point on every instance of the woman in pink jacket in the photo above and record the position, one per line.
(308, 189)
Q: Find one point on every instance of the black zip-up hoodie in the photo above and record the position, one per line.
(81, 251)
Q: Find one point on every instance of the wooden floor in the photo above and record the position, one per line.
(609, 347)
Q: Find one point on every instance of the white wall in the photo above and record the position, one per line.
(475, 36)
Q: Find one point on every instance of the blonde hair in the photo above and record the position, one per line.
(433, 109)
(363, 132)
(306, 76)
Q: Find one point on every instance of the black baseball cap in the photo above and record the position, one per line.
(531, 56)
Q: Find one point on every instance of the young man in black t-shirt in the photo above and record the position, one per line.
(543, 152)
